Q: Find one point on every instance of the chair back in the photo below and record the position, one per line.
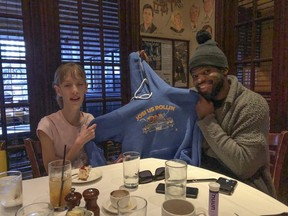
(3, 156)
(34, 153)
(112, 151)
(278, 147)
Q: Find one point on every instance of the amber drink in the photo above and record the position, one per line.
(59, 185)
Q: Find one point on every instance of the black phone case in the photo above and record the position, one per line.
(227, 186)
(191, 192)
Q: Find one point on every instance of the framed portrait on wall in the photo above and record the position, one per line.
(180, 63)
(153, 51)
(160, 55)
(169, 59)
(179, 19)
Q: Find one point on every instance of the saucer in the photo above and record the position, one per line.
(108, 206)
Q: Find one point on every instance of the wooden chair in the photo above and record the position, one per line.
(278, 147)
(34, 153)
(112, 151)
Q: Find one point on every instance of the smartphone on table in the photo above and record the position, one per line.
(227, 186)
(191, 192)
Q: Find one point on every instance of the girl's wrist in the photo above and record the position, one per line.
(79, 143)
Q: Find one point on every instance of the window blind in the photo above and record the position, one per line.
(89, 34)
(254, 29)
(14, 90)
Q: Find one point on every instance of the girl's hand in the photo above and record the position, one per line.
(86, 134)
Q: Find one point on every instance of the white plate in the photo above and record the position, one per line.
(93, 175)
(108, 206)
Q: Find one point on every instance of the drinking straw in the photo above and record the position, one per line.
(62, 176)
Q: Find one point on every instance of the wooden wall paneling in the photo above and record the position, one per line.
(130, 40)
(225, 18)
(43, 56)
(279, 87)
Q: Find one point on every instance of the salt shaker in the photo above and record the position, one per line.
(213, 198)
(90, 196)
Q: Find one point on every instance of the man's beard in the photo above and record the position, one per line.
(217, 84)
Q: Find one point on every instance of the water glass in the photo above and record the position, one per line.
(60, 183)
(36, 209)
(137, 206)
(10, 192)
(131, 164)
(175, 179)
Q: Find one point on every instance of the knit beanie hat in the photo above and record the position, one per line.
(207, 53)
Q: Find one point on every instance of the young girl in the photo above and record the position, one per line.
(69, 125)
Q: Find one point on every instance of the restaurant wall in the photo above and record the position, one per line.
(176, 20)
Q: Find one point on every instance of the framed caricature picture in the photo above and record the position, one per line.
(179, 19)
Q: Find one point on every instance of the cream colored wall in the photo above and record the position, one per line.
(163, 22)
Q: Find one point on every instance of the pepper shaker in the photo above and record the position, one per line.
(73, 199)
(90, 196)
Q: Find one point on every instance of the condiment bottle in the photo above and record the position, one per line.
(73, 199)
(213, 198)
(90, 196)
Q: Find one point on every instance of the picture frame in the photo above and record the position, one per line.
(159, 52)
(180, 63)
(153, 51)
(169, 58)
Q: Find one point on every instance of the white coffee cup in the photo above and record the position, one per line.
(177, 207)
(116, 195)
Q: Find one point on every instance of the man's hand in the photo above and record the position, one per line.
(204, 107)
(143, 55)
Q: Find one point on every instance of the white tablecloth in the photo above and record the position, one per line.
(245, 200)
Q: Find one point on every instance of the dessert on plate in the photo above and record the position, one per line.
(83, 173)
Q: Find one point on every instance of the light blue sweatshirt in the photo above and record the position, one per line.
(159, 121)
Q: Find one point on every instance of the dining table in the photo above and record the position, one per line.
(245, 200)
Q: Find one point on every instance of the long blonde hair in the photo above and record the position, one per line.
(67, 69)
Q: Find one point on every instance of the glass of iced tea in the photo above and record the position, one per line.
(60, 183)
